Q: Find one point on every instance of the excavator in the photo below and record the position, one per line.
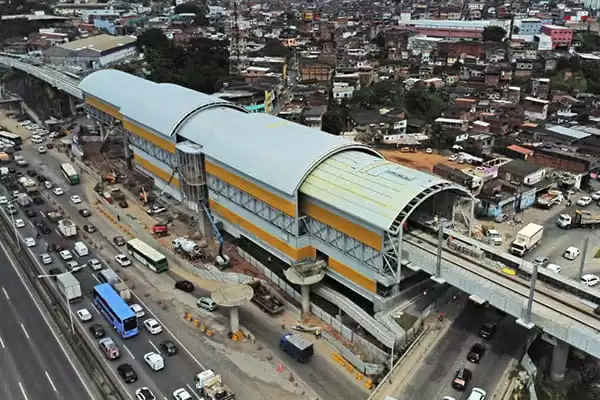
(222, 260)
(156, 202)
(161, 229)
(144, 198)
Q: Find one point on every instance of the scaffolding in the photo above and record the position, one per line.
(238, 38)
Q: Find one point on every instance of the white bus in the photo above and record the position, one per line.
(147, 255)
(11, 138)
(70, 173)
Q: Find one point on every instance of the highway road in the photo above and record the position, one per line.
(433, 377)
(33, 363)
(180, 369)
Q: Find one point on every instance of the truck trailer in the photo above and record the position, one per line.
(67, 228)
(265, 299)
(297, 347)
(69, 287)
(581, 219)
(527, 238)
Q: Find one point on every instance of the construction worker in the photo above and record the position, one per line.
(441, 316)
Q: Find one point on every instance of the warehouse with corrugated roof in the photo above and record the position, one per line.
(298, 193)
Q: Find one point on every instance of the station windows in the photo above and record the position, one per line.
(162, 155)
(100, 116)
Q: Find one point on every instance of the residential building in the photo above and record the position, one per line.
(529, 26)
(559, 35)
(314, 71)
(521, 172)
(536, 109)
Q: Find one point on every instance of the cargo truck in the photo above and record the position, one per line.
(265, 299)
(581, 219)
(30, 186)
(527, 238)
(296, 346)
(211, 386)
(550, 199)
(24, 201)
(67, 228)
(109, 276)
(54, 216)
(69, 286)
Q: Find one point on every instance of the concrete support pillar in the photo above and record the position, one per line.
(234, 319)
(305, 299)
(559, 361)
(72, 106)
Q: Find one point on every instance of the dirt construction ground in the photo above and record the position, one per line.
(420, 160)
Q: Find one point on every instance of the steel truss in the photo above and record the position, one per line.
(349, 246)
(252, 204)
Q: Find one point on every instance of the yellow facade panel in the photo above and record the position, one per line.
(349, 228)
(150, 137)
(156, 171)
(352, 275)
(254, 190)
(105, 108)
(276, 243)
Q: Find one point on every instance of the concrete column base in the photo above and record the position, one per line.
(305, 289)
(558, 367)
(234, 319)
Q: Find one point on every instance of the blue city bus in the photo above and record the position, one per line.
(115, 310)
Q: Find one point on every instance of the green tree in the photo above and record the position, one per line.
(199, 11)
(152, 38)
(588, 42)
(274, 48)
(493, 34)
(334, 122)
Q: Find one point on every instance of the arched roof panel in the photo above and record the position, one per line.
(373, 190)
(274, 151)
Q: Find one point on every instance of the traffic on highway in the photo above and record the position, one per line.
(141, 353)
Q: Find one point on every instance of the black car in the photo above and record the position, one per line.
(97, 331)
(127, 373)
(461, 379)
(55, 271)
(42, 227)
(90, 228)
(488, 330)
(85, 212)
(476, 353)
(168, 348)
(41, 178)
(12, 170)
(57, 247)
(31, 173)
(185, 286)
(30, 213)
(119, 241)
(38, 200)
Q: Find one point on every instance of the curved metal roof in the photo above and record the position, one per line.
(271, 150)
(158, 106)
(373, 190)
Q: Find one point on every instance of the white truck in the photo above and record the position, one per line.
(123, 290)
(109, 276)
(550, 199)
(30, 186)
(493, 236)
(187, 247)
(69, 287)
(67, 228)
(527, 238)
(211, 386)
(581, 219)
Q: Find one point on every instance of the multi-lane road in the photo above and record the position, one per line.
(180, 369)
(33, 363)
(432, 378)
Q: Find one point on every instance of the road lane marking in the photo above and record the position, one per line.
(42, 214)
(194, 392)
(95, 277)
(5, 293)
(153, 345)
(25, 331)
(23, 391)
(129, 351)
(2, 343)
(50, 380)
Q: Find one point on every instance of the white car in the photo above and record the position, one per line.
(19, 223)
(571, 253)
(45, 258)
(37, 139)
(182, 394)
(75, 199)
(144, 393)
(48, 184)
(42, 149)
(153, 326)
(58, 191)
(66, 255)
(3, 200)
(554, 268)
(477, 394)
(24, 123)
(22, 163)
(596, 196)
(590, 279)
(154, 361)
(30, 242)
(94, 264)
(138, 310)
(122, 260)
(584, 201)
(84, 315)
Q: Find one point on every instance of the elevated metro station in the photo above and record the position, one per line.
(296, 192)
